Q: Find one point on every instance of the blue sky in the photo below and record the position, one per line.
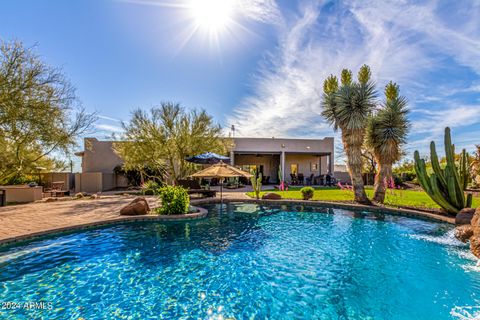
(264, 70)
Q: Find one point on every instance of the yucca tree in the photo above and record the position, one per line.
(349, 107)
(386, 134)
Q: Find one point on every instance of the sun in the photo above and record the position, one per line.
(212, 16)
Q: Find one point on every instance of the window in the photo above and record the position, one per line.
(314, 166)
(294, 168)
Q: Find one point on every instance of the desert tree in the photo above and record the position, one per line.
(386, 135)
(40, 115)
(348, 107)
(165, 136)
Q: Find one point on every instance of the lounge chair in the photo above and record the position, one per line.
(193, 187)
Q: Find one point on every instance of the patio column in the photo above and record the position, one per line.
(330, 163)
(282, 165)
(232, 158)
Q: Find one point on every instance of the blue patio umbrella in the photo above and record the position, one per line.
(208, 158)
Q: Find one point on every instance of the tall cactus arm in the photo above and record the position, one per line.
(455, 195)
(436, 165)
(450, 155)
(421, 172)
(464, 169)
(439, 198)
(469, 201)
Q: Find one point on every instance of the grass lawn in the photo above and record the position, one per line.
(396, 198)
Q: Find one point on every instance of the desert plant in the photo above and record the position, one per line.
(150, 188)
(256, 183)
(385, 135)
(349, 107)
(165, 136)
(175, 200)
(445, 186)
(40, 115)
(307, 193)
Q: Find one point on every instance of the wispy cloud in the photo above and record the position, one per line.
(108, 128)
(430, 50)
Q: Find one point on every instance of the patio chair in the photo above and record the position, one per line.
(193, 187)
(57, 189)
(301, 178)
(293, 176)
(310, 179)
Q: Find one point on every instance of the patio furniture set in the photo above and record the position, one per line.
(321, 180)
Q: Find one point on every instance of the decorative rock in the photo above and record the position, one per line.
(475, 245)
(272, 196)
(476, 221)
(94, 196)
(139, 206)
(51, 199)
(464, 232)
(464, 216)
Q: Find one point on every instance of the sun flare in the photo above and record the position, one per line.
(212, 15)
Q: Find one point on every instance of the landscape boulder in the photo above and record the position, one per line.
(139, 206)
(464, 232)
(476, 222)
(272, 196)
(464, 216)
(475, 245)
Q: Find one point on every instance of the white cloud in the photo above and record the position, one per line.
(403, 41)
(265, 11)
(108, 128)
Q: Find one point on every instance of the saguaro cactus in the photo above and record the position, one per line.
(445, 186)
(256, 184)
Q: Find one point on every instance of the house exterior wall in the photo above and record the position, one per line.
(99, 156)
(90, 182)
(303, 152)
(269, 162)
(273, 145)
(99, 159)
(304, 163)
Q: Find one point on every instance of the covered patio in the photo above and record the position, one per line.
(301, 161)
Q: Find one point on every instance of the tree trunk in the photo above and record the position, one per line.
(384, 173)
(353, 141)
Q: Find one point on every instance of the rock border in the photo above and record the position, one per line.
(202, 213)
(339, 205)
(199, 214)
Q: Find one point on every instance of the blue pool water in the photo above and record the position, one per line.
(247, 262)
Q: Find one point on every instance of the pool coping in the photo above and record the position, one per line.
(202, 213)
(339, 205)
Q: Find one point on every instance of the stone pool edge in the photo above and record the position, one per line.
(338, 205)
(200, 214)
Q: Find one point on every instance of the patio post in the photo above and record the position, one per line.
(330, 163)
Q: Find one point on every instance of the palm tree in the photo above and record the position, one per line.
(386, 134)
(349, 107)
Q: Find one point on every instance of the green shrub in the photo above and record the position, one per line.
(307, 193)
(175, 200)
(150, 188)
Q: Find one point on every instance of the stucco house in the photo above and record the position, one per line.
(308, 157)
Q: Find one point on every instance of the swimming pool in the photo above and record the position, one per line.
(247, 261)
